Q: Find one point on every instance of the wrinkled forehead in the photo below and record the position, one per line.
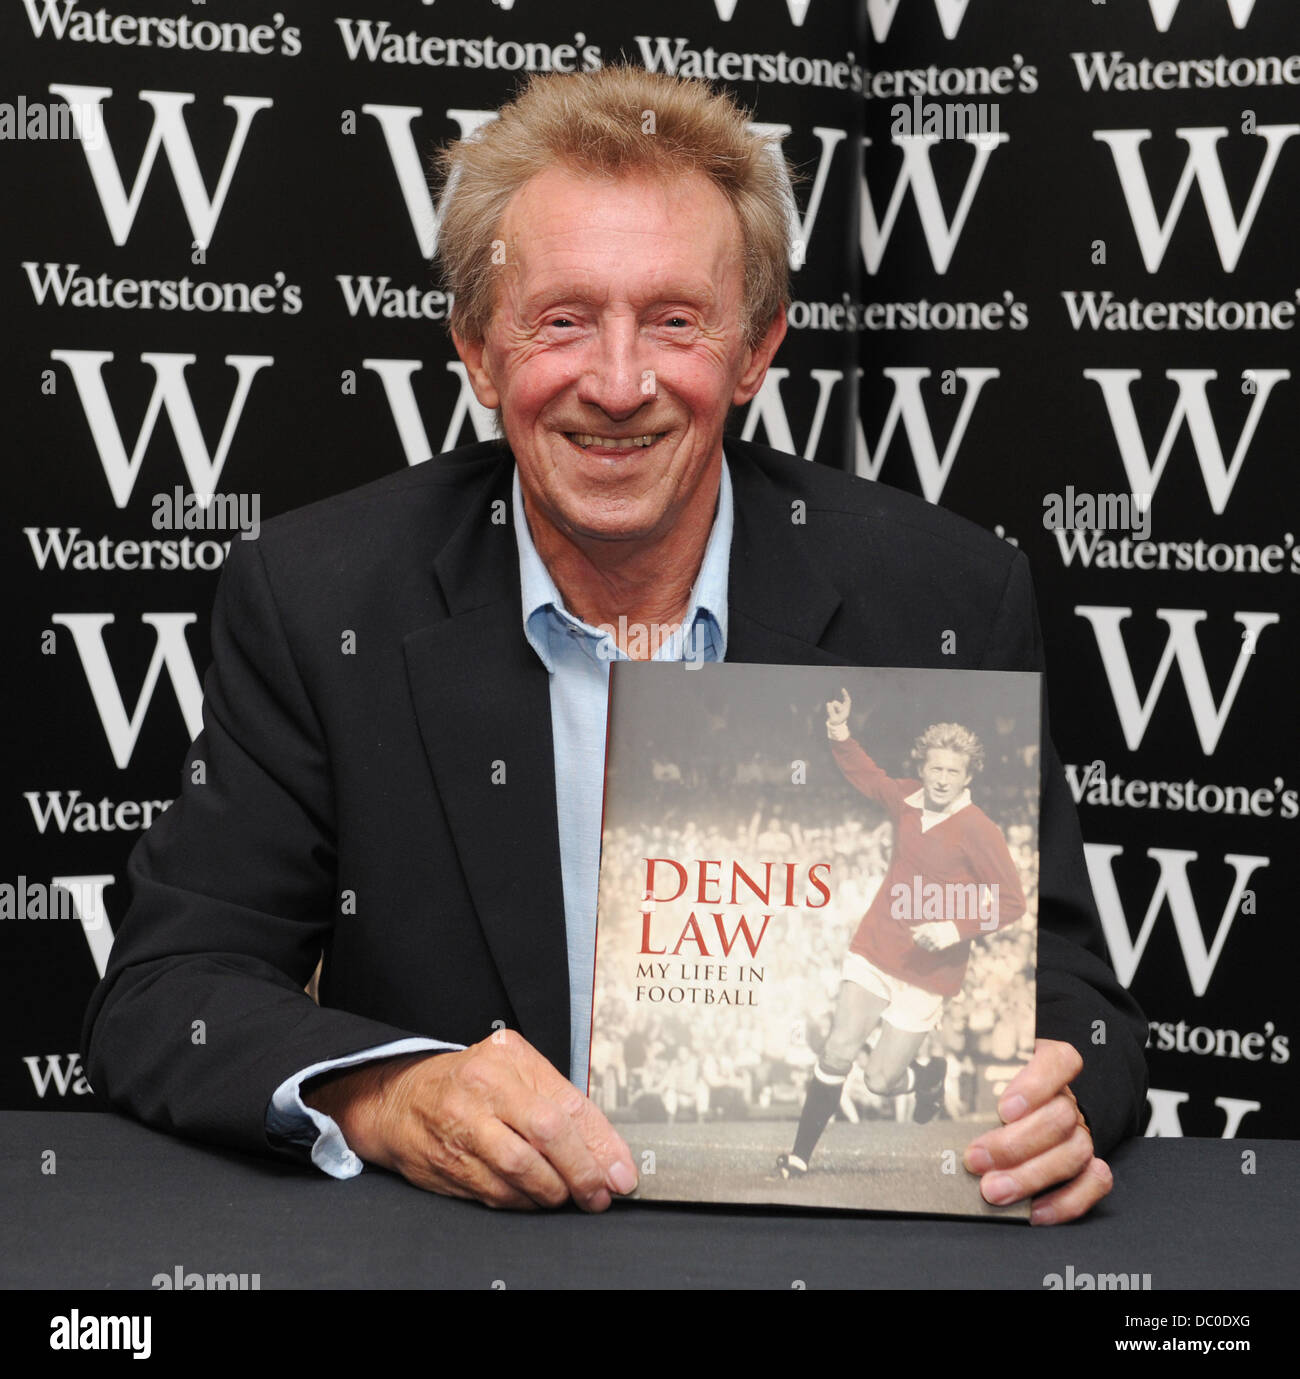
(649, 235)
(945, 756)
(573, 194)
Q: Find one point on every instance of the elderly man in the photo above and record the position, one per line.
(400, 766)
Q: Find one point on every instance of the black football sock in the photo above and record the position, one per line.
(927, 1077)
(819, 1106)
(929, 1089)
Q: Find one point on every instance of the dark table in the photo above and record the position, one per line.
(127, 1203)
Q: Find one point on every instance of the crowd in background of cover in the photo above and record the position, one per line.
(658, 1061)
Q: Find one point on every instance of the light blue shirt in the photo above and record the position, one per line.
(576, 656)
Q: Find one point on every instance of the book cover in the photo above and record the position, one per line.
(816, 929)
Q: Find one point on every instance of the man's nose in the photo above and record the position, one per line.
(616, 377)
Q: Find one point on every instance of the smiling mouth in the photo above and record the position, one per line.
(585, 441)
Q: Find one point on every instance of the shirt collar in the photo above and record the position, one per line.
(930, 817)
(539, 595)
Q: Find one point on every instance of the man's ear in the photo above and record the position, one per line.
(758, 359)
(471, 353)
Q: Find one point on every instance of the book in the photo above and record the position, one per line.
(816, 929)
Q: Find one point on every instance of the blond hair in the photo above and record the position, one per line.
(950, 737)
(615, 122)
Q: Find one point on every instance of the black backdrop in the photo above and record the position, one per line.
(1092, 293)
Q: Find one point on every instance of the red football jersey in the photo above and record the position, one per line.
(958, 848)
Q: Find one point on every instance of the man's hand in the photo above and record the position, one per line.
(935, 936)
(1043, 1143)
(837, 710)
(496, 1122)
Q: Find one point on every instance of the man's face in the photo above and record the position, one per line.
(618, 316)
(944, 776)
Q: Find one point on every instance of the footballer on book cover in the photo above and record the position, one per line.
(816, 929)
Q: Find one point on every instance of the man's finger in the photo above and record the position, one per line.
(438, 1167)
(1074, 1198)
(490, 1132)
(1054, 1065)
(608, 1145)
(1024, 1139)
(585, 1149)
(514, 1159)
(553, 1131)
(1060, 1164)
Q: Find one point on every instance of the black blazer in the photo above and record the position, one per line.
(369, 668)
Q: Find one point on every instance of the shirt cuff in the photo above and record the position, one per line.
(288, 1117)
(837, 732)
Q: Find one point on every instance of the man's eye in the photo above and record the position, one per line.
(561, 321)
(677, 321)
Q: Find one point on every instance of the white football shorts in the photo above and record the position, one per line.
(911, 1009)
